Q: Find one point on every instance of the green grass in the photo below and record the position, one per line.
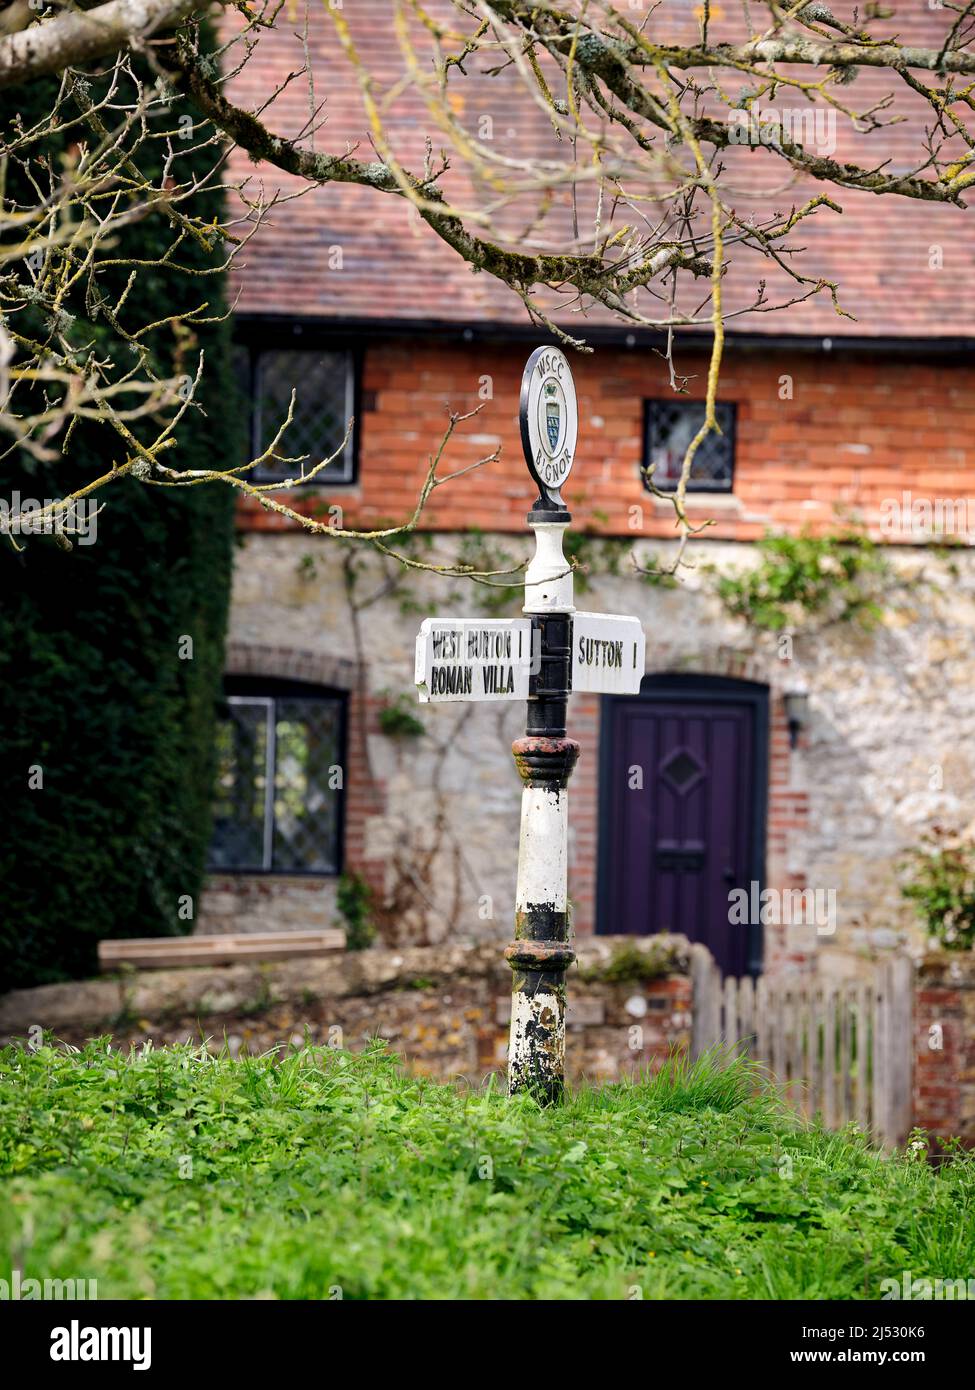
(170, 1174)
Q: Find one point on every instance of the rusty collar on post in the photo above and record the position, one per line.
(539, 955)
(545, 762)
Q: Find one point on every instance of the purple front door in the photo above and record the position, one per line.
(681, 819)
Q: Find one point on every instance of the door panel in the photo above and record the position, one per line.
(682, 773)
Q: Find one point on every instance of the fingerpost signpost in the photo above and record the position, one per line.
(541, 659)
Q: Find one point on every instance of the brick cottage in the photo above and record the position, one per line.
(807, 759)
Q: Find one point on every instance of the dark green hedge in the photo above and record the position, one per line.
(93, 689)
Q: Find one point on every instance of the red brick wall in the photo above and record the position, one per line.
(584, 813)
(365, 793)
(944, 1035)
(858, 429)
(788, 814)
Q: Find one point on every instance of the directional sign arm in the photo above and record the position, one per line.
(608, 653)
(473, 659)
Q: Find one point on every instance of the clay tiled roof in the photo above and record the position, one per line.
(904, 268)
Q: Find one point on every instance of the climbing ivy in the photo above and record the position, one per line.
(354, 901)
(835, 578)
(396, 718)
(941, 885)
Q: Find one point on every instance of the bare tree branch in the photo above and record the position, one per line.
(77, 37)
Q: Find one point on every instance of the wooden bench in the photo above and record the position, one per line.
(158, 952)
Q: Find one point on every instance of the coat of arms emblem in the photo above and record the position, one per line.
(553, 416)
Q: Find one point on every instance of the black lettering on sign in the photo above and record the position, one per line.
(548, 362)
(446, 645)
(498, 680)
(487, 644)
(451, 680)
(552, 470)
(599, 651)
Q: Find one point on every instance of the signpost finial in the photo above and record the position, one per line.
(549, 424)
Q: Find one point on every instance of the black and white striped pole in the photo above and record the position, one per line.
(541, 951)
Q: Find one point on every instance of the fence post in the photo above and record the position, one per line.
(706, 1004)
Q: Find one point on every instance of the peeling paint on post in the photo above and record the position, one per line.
(541, 953)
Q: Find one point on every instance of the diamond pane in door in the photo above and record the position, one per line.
(682, 770)
(679, 844)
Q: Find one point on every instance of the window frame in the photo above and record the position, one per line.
(256, 341)
(257, 689)
(730, 434)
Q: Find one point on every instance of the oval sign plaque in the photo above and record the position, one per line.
(549, 421)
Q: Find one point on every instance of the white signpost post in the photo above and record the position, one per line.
(541, 659)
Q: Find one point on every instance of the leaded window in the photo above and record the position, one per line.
(670, 427)
(280, 778)
(324, 386)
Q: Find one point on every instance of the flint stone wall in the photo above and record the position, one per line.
(445, 1009)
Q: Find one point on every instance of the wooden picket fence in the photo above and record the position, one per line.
(841, 1049)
